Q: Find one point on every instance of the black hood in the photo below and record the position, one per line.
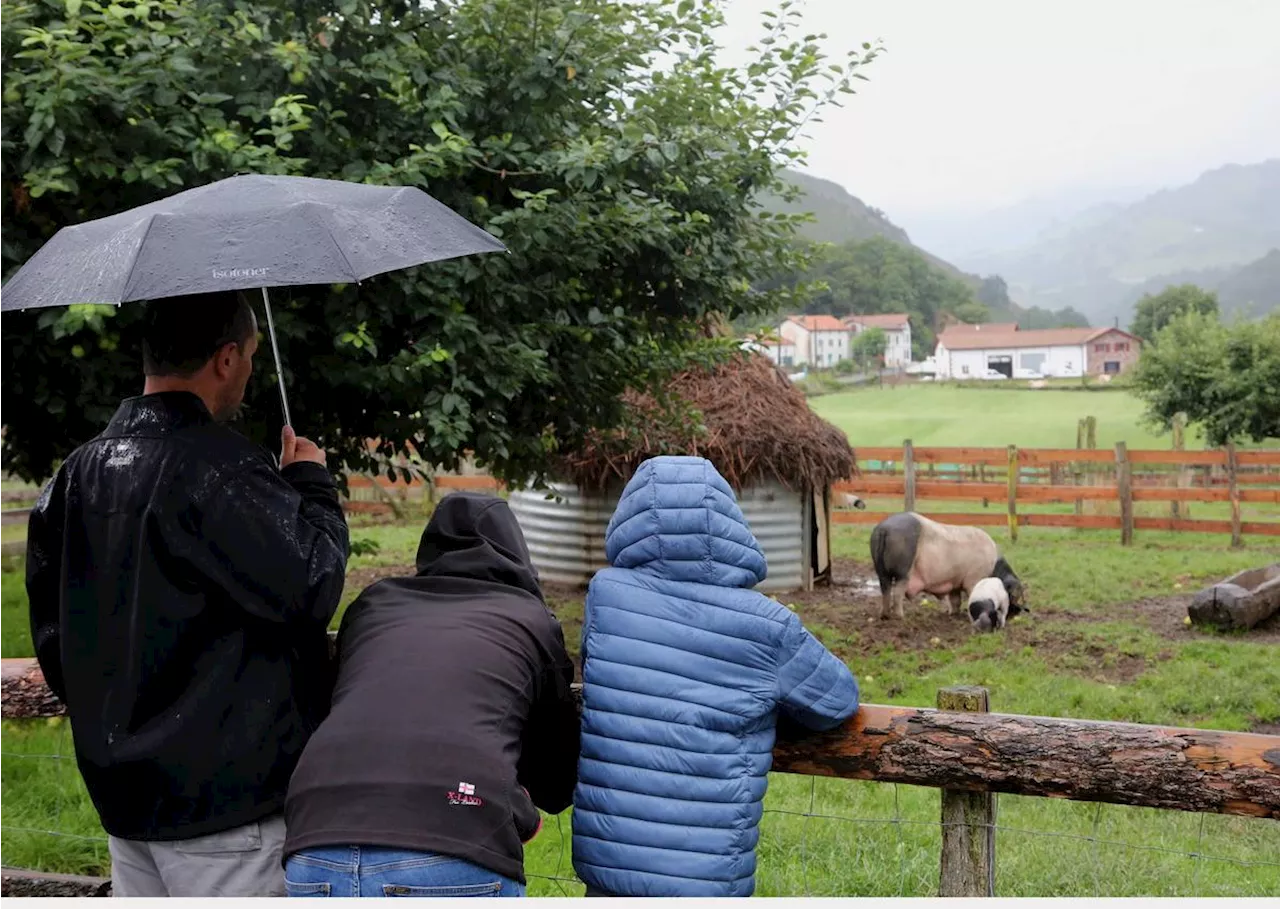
(472, 535)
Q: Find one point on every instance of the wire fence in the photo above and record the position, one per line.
(819, 837)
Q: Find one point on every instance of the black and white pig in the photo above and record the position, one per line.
(914, 555)
(989, 605)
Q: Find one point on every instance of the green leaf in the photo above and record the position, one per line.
(73, 7)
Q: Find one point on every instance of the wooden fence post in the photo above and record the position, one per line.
(1124, 484)
(1233, 491)
(908, 476)
(1091, 442)
(1013, 493)
(1078, 468)
(968, 818)
(1179, 444)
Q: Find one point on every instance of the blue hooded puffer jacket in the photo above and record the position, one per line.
(684, 671)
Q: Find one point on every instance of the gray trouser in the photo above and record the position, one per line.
(246, 861)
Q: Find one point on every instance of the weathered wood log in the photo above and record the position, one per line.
(1119, 763)
(1241, 602)
(24, 694)
(1086, 760)
(19, 883)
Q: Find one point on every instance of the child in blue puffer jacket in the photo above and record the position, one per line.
(685, 668)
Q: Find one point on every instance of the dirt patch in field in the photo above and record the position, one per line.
(1265, 728)
(851, 608)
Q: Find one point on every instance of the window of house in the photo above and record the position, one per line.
(1111, 367)
(964, 370)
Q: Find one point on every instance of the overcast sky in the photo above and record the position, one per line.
(982, 103)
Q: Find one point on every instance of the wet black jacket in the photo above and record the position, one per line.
(453, 698)
(180, 589)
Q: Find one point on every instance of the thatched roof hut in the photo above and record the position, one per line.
(756, 426)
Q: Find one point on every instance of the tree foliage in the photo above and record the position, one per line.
(1225, 378)
(602, 141)
(880, 276)
(869, 346)
(1154, 311)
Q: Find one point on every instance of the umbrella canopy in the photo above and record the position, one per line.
(244, 232)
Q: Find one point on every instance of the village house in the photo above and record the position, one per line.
(780, 351)
(897, 330)
(821, 341)
(980, 351)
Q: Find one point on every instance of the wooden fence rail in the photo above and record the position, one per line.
(1018, 476)
(960, 752)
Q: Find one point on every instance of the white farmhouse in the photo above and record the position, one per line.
(973, 351)
(897, 331)
(779, 350)
(821, 341)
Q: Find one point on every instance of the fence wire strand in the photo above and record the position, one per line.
(814, 817)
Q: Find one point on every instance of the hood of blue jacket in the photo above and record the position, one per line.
(678, 519)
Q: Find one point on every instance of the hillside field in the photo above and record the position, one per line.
(929, 414)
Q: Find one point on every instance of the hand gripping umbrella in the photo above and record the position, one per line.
(240, 233)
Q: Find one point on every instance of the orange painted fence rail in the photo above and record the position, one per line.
(1038, 476)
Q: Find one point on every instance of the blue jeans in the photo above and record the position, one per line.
(372, 871)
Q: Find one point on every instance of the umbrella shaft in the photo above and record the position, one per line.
(275, 351)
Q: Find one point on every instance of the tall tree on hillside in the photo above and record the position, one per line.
(624, 190)
(1154, 311)
(1224, 377)
(880, 276)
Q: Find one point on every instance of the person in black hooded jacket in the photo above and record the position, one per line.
(453, 721)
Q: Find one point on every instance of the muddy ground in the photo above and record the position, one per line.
(847, 613)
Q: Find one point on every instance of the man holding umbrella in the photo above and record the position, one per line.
(181, 586)
(180, 583)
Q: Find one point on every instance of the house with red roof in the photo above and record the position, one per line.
(821, 341)
(897, 330)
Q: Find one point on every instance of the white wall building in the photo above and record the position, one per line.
(821, 341)
(779, 350)
(968, 352)
(897, 330)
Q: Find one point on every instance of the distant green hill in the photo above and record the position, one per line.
(841, 217)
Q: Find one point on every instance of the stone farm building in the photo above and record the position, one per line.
(897, 331)
(969, 351)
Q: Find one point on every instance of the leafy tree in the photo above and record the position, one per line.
(1225, 378)
(1154, 311)
(880, 276)
(868, 347)
(623, 189)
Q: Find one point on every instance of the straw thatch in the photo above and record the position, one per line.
(755, 425)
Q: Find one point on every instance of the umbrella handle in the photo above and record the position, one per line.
(275, 351)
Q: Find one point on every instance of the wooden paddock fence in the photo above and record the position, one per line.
(1080, 476)
(970, 755)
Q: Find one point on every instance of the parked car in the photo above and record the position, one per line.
(994, 374)
(1028, 374)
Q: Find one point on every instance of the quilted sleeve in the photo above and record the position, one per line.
(815, 688)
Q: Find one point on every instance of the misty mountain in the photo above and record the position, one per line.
(1101, 260)
(1248, 290)
(841, 217)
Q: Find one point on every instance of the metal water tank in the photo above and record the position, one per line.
(566, 537)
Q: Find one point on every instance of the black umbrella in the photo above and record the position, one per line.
(245, 232)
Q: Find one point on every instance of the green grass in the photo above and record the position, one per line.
(1068, 657)
(954, 415)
